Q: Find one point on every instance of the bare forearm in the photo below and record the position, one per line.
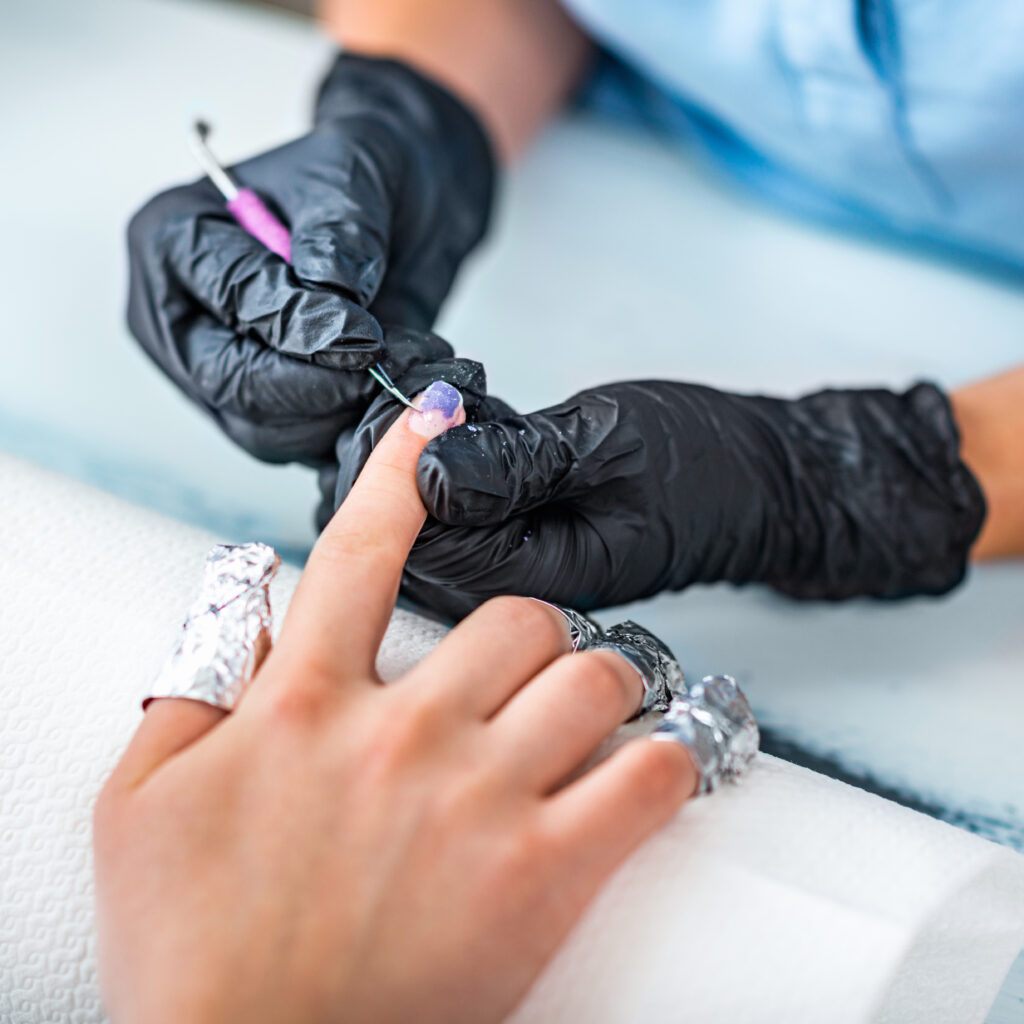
(513, 61)
(990, 415)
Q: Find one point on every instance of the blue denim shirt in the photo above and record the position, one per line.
(901, 116)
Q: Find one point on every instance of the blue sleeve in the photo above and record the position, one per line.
(885, 116)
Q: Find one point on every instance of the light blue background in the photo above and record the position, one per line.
(889, 116)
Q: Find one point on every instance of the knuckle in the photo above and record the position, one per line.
(508, 610)
(404, 737)
(518, 884)
(421, 713)
(517, 858)
(460, 804)
(300, 701)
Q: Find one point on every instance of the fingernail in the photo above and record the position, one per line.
(438, 408)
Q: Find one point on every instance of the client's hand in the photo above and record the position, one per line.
(336, 850)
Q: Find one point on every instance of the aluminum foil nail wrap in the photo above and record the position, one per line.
(583, 632)
(714, 722)
(659, 671)
(226, 632)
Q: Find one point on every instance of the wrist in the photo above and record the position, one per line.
(512, 62)
(873, 495)
(990, 418)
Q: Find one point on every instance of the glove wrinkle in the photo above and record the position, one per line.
(635, 488)
(384, 198)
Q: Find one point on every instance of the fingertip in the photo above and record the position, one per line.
(437, 408)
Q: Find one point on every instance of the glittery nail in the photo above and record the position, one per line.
(438, 408)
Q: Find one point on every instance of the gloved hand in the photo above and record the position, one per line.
(354, 445)
(384, 198)
(630, 489)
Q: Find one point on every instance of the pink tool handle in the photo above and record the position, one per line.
(248, 209)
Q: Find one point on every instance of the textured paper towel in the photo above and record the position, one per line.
(792, 899)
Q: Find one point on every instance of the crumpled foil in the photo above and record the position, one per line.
(658, 669)
(226, 632)
(583, 632)
(713, 720)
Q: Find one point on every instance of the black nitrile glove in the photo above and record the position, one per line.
(384, 198)
(631, 489)
(355, 444)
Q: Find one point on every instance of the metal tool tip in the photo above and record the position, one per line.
(202, 128)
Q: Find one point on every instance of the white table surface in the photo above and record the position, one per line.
(923, 700)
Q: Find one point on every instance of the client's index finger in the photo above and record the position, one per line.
(347, 592)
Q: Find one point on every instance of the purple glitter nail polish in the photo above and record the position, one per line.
(442, 397)
(438, 407)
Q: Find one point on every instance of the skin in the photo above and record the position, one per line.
(990, 415)
(516, 62)
(337, 850)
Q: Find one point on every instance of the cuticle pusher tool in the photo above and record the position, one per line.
(252, 214)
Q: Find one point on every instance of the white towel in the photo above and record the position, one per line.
(791, 899)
